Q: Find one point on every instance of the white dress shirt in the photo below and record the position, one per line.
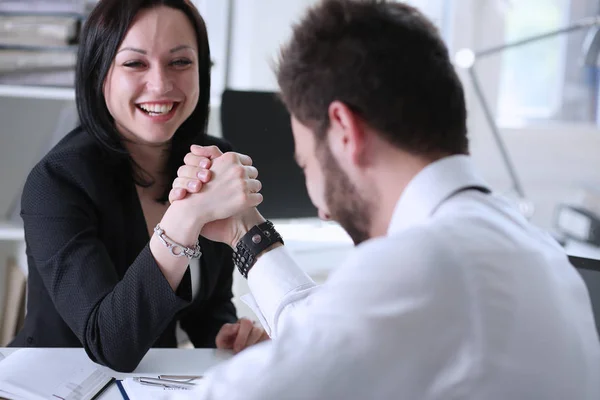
(462, 299)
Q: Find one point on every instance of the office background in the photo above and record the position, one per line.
(545, 104)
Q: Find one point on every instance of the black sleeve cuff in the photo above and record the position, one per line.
(171, 301)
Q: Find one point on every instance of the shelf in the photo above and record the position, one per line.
(11, 231)
(37, 92)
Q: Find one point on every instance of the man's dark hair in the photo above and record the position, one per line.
(101, 37)
(386, 62)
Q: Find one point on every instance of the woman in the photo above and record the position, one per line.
(102, 267)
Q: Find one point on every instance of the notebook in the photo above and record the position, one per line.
(31, 374)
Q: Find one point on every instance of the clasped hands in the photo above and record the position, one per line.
(230, 190)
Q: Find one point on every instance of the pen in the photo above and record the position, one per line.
(164, 382)
(188, 378)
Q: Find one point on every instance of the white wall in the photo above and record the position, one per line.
(26, 131)
(216, 18)
(259, 27)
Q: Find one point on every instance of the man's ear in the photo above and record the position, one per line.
(347, 136)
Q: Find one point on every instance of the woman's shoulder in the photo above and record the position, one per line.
(77, 162)
(77, 144)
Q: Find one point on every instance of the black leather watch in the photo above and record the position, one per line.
(254, 242)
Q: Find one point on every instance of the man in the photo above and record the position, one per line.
(450, 292)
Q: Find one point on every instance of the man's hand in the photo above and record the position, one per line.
(240, 335)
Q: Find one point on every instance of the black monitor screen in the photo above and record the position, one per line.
(257, 124)
(590, 272)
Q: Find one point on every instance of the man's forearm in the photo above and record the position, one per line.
(277, 283)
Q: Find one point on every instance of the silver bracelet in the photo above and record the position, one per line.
(178, 250)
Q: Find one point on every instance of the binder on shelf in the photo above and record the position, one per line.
(38, 31)
(38, 41)
(14, 302)
(70, 8)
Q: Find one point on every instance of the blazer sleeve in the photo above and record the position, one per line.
(116, 320)
(202, 322)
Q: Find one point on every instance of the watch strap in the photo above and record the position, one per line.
(254, 242)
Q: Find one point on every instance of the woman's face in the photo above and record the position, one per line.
(152, 86)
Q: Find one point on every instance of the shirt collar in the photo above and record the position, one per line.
(431, 187)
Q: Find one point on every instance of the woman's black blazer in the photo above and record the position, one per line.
(92, 279)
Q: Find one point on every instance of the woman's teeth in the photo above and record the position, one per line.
(156, 109)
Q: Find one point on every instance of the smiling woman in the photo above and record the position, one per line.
(146, 54)
(104, 272)
(152, 86)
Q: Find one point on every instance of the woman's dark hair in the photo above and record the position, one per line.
(386, 62)
(101, 37)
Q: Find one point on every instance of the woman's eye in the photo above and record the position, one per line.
(181, 62)
(133, 64)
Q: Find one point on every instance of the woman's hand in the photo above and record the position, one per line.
(195, 171)
(240, 335)
(190, 180)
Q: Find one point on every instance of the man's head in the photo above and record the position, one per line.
(357, 74)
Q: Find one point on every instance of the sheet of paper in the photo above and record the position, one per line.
(50, 373)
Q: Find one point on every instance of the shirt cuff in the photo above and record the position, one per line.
(248, 299)
(273, 280)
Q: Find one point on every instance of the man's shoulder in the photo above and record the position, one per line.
(416, 257)
(413, 267)
(421, 242)
(463, 249)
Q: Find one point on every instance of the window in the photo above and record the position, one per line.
(438, 11)
(545, 80)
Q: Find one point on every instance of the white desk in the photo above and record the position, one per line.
(318, 246)
(157, 362)
(580, 249)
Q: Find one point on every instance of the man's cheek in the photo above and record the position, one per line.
(316, 193)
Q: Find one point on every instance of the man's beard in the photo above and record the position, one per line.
(346, 205)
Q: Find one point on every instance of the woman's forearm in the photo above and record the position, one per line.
(182, 229)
